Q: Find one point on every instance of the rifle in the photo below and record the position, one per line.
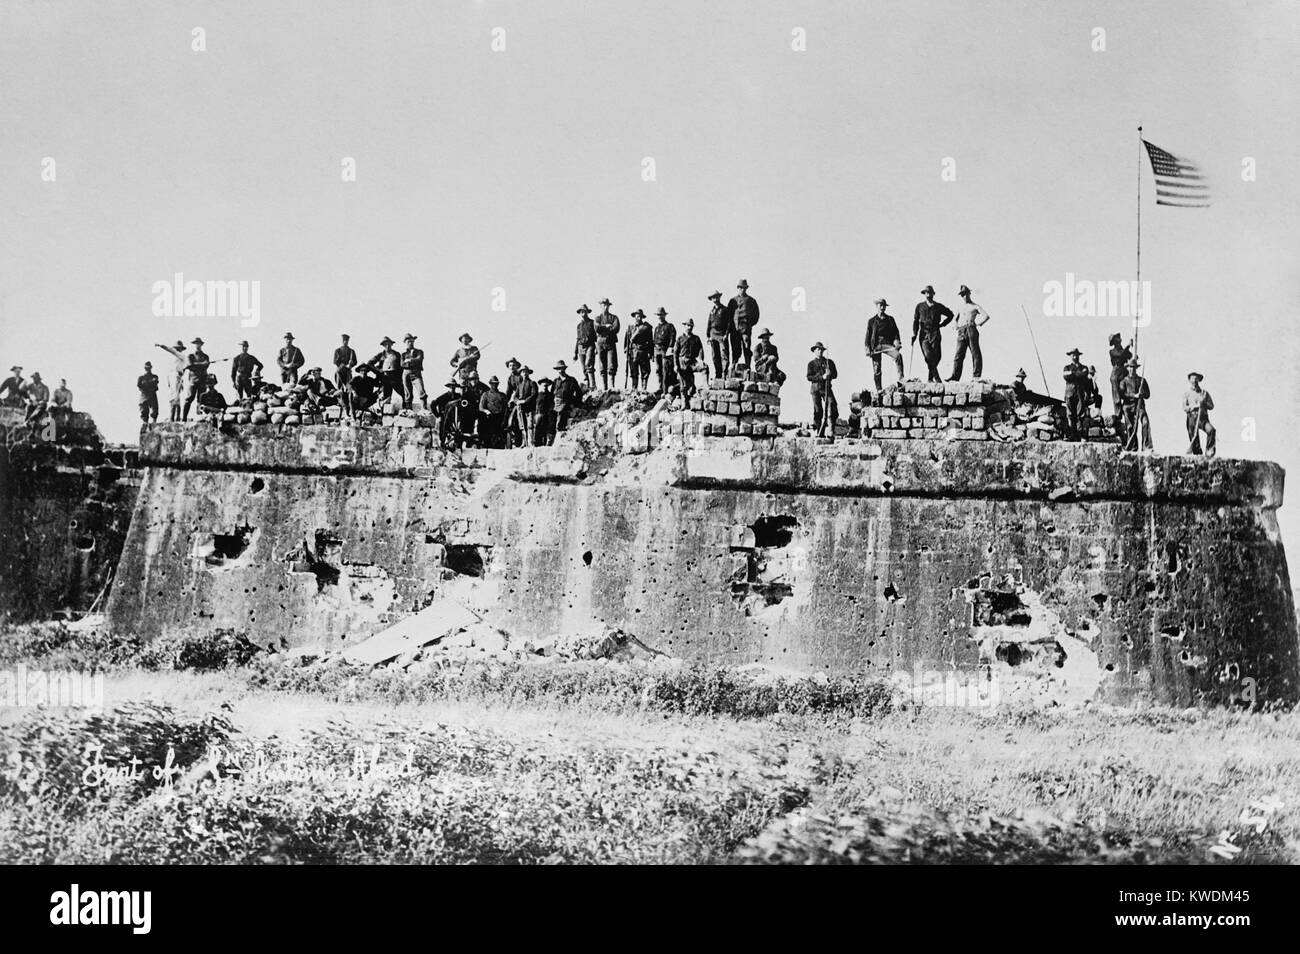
(1196, 432)
(910, 356)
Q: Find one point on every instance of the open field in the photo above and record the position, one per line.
(591, 762)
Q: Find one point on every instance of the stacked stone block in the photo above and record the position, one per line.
(947, 410)
(745, 406)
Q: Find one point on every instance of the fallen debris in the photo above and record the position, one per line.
(430, 624)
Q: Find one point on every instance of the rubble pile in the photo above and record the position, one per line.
(731, 407)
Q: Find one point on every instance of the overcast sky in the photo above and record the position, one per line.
(522, 170)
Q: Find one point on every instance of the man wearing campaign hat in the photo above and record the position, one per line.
(466, 358)
(1078, 394)
(290, 359)
(638, 347)
(13, 390)
(344, 361)
(718, 330)
(196, 376)
(766, 356)
(176, 378)
(883, 338)
(242, 367)
(584, 347)
(1197, 405)
(147, 384)
(742, 312)
(387, 365)
(318, 391)
(607, 326)
(544, 414)
(413, 375)
(821, 372)
(665, 346)
(970, 318)
(521, 403)
(492, 415)
(568, 395)
(688, 353)
(362, 390)
(513, 377)
(1135, 392)
(927, 319)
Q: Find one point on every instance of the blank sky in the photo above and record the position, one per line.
(521, 170)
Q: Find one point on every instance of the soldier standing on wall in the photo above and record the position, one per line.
(718, 330)
(640, 343)
(544, 414)
(584, 348)
(196, 376)
(567, 396)
(1119, 358)
(176, 379)
(607, 345)
(687, 354)
(523, 404)
(290, 359)
(1135, 392)
(242, 367)
(743, 314)
(387, 364)
(1078, 394)
(413, 374)
(883, 338)
(1197, 405)
(345, 360)
(821, 372)
(970, 318)
(927, 319)
(147, 384)
(492, 415)
(466, 357)
(665, 344)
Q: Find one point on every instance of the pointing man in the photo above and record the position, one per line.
(928, 318)
(196, 376)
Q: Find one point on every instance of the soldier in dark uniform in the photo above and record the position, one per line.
(687, 353)
(1135, 392)
(290, 359)
(718, 329)
(492, 415)
(883, 338)
(363, 390)
(513, 378)
(821, 372)
(1119, 358)
(928, 318)
(544, 414)
(345, 360)
(567, 396)
(147, 384)
(766, 357)
(665, 341)
(196, 376)
(639, 347)
(387, 364)
(466, 357)
(413, 374)
(522, 403)
(13, 390)
(607, 345)
(1026, 396)
(1078, 394)
(318, 391)
(743, 312)
(584, 347)
(242, 367)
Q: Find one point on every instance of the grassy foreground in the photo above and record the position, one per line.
(586, 762)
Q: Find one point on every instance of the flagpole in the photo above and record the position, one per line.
(1137, 291)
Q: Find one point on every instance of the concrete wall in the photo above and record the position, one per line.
(1072, 570)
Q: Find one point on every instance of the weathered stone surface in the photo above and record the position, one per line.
(1139, 577)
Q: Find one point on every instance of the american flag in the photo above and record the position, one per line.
(1178, 182)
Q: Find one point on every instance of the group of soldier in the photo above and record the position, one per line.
(528, 411)
(35, 397)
